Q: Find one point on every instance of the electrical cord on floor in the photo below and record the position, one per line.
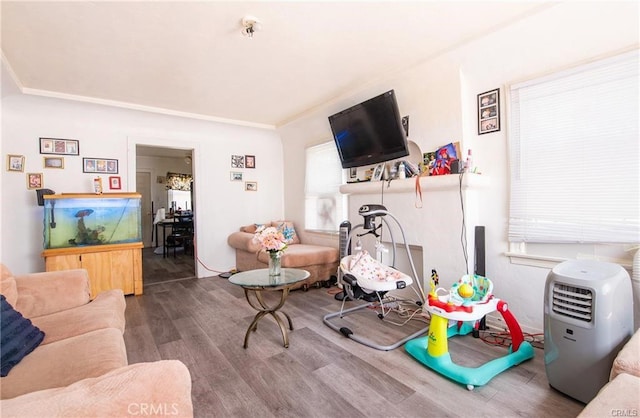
(195, 251)
(503, 339)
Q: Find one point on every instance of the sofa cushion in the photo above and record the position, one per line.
(288, 230)
(161, 388)
(301, 255)
(251, 228)
(628, 359)
(19, 337)
(47, 292)
(8, 285)
(65, 362)
(619, 395)
(105, 311)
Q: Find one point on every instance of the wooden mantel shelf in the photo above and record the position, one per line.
(427, 184)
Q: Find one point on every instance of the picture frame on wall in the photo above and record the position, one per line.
(115, 183)
(237, 161)
(100, 165)
(250, 161)
(53, 162)
(236, 176)
(489, 112)
(59, 146)
(377, 172)
(34, 181)
(15, 163)
(250, 186)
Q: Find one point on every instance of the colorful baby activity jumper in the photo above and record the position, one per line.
(458, 312)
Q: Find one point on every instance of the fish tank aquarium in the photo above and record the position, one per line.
(76, 220)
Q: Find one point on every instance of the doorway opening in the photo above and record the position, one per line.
(165, 180)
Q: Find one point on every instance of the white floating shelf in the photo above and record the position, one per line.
(427, 184)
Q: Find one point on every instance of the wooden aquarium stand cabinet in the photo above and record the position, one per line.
(114, 266)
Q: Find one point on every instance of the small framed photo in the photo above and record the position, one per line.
(99, 165)
(59, 146)
(34, 181)
(489, 112)
(237, 161)
(250, 161)
(236, 176)
(53, 162)
(353, 173)
(114, 183)
(377, 172)
(15, 163)
(250, 186)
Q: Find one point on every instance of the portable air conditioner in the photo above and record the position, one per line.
(588, 316)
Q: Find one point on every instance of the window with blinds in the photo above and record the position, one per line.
(575, 155)
(324, 204)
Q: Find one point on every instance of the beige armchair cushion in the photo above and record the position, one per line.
(161, 388)
(65, 362)
(620, 394)
(49, 292)
(628, 359)
(301, 255)
(105, 311)
(8, 285)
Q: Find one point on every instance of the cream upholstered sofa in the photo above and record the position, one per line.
(320, 261)
(80, 367)
(621, 395)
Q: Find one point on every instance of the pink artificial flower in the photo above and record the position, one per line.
(270, 238)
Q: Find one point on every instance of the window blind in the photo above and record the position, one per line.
(324, 204)
(575, 155)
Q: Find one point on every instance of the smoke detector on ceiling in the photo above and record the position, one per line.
(250, 25)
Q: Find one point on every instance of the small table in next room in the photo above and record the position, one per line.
(254, 282)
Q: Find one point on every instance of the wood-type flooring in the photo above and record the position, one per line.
(202, 322)
(157, 269)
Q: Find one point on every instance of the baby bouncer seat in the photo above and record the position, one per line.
(365, 278)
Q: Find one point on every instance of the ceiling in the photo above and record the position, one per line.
(190, 58)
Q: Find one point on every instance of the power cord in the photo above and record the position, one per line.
(503, 339)
(195, 251)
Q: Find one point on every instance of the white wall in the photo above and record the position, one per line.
(440, 98)
(221, 206)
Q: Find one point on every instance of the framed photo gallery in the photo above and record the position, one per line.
(99, 165)
(489, 112)
(54, 150)
(59, 146)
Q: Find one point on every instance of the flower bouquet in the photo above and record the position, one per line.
(274, 242)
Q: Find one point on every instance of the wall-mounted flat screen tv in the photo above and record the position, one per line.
(370, 132)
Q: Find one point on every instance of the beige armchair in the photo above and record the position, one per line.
(320, 261)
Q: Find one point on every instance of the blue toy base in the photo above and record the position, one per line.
(470, 376)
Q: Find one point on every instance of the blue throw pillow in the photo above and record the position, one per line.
(18, 336)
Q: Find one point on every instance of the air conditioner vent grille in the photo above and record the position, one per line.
(572, 301)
